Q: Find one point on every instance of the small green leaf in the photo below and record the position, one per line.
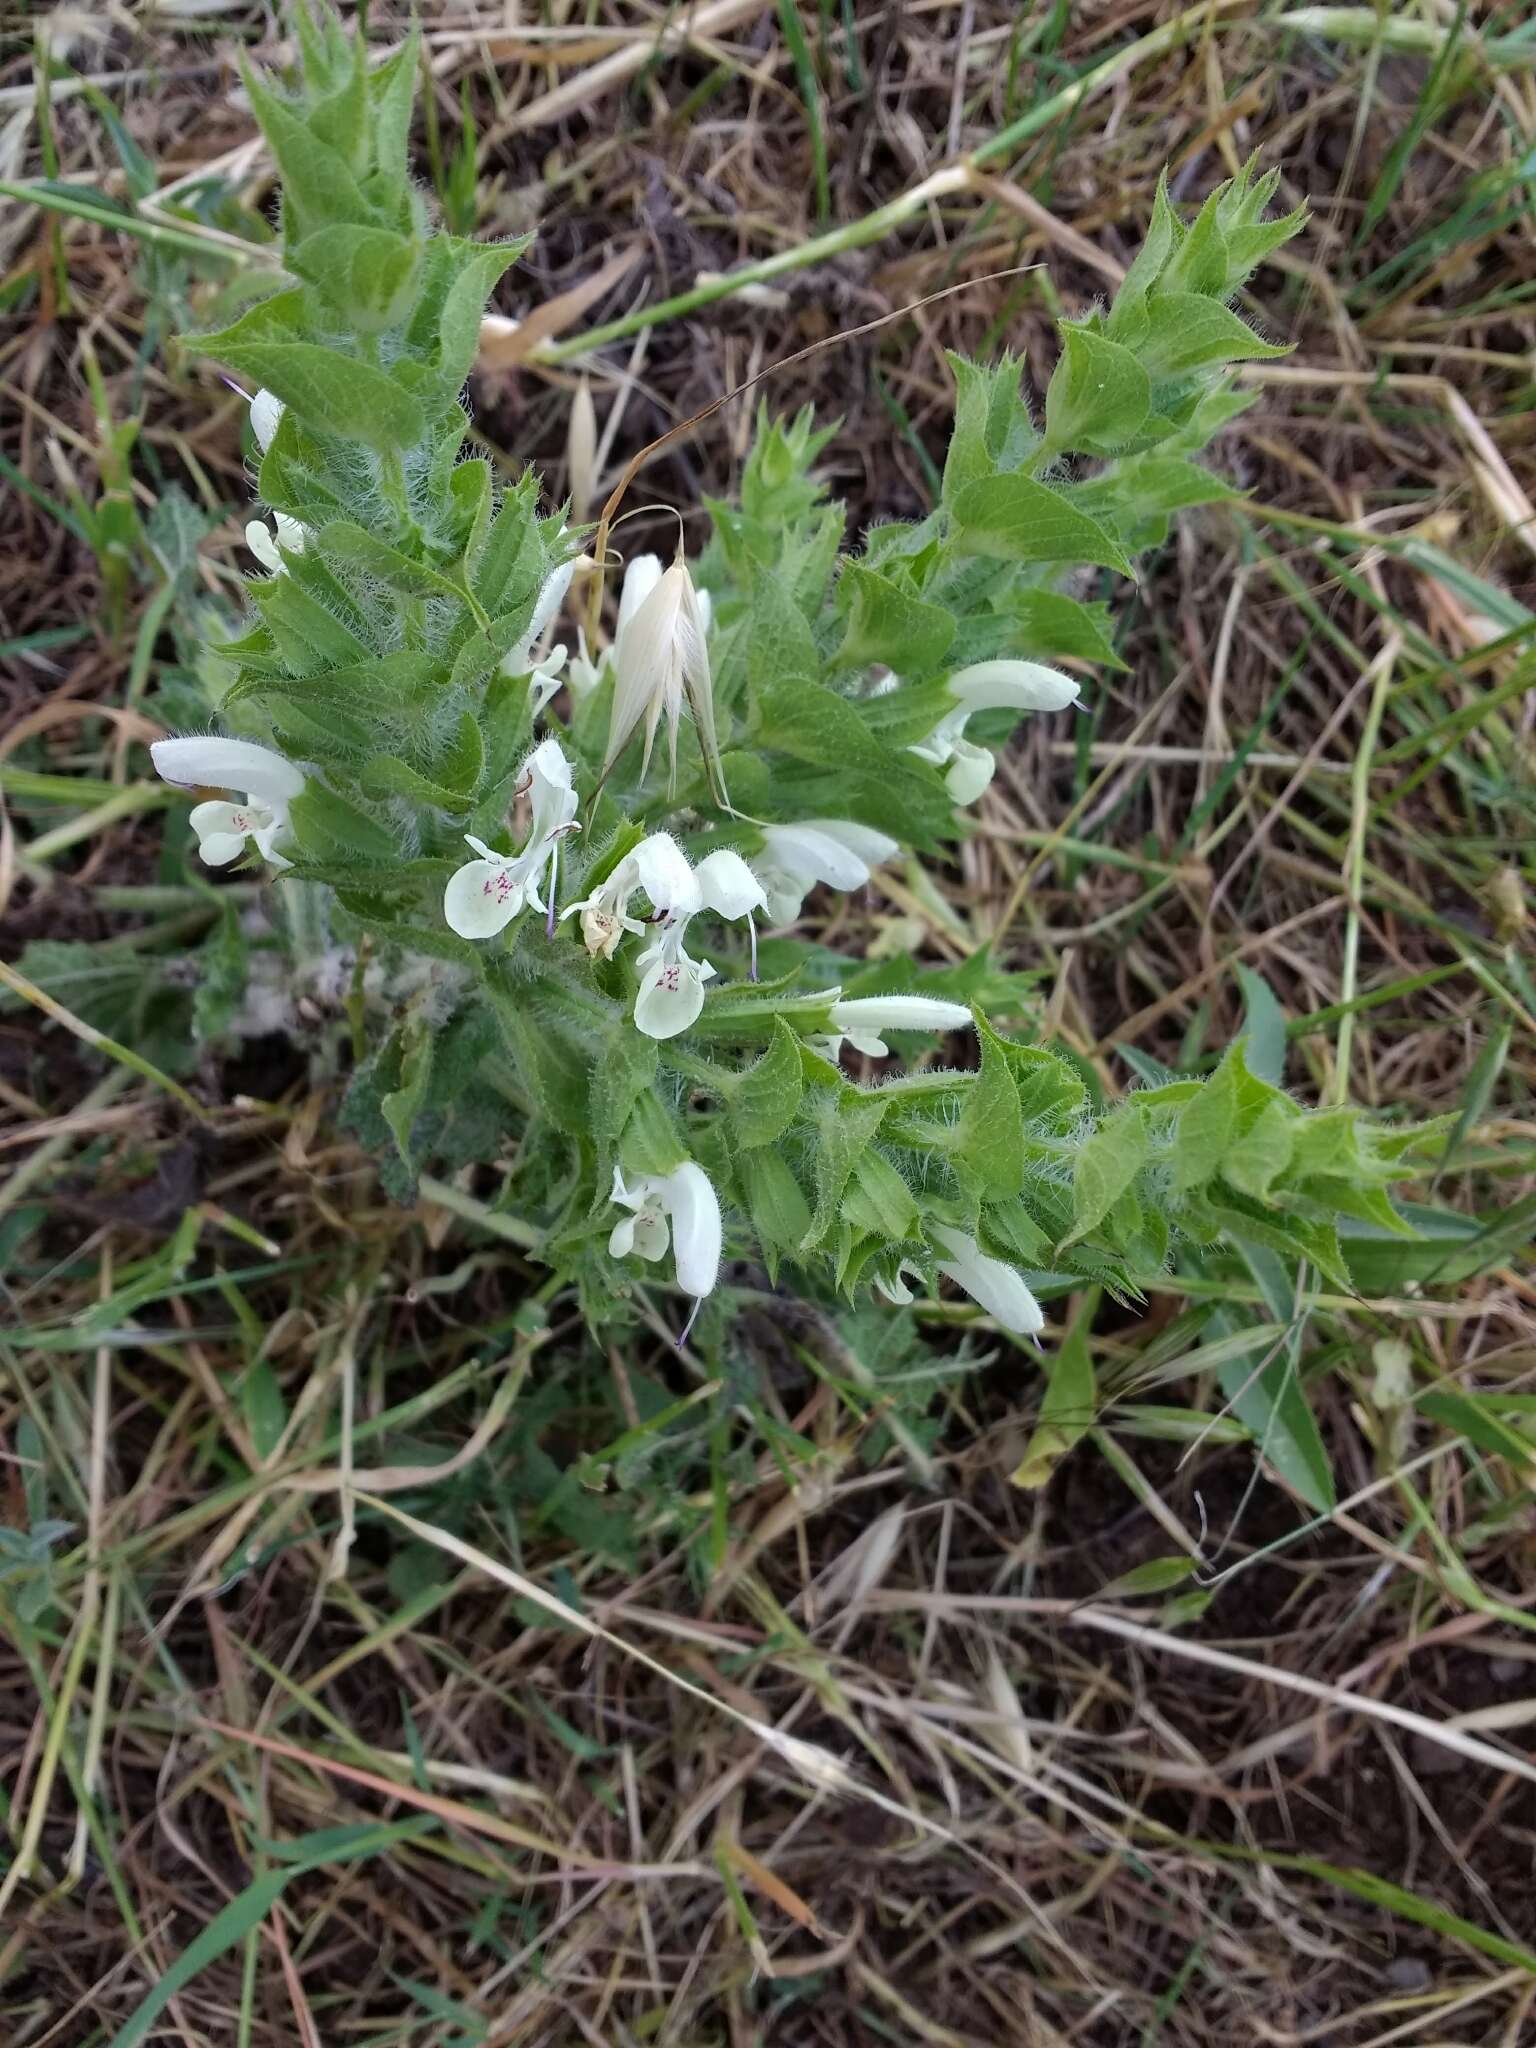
(386, 776)
(1070, 1404)
(367, 274)
(764, 1102)
(1206, 1129)
(1106, 1167)
(1099, 394)
(331, 393)
(846, 1122)
(1051, 623)
(1260, 1157)
(462, 764)
(887, 623)
(1157, 1575)
(479, 266)
(1263, 1027)
(781, 1215)
(304, 631)
(329, 828)
(624, 1072)
(992, 431)
(1185, 332)
(991, 1134)
(342, 540)
(878, 1199)
(318, 186)
(1015, 519)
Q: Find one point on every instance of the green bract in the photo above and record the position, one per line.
(543, 962)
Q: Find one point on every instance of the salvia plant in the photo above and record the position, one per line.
(549, 878)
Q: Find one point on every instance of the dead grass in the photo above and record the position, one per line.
(1021, 1819)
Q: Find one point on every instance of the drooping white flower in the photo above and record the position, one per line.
(484, 896)
(831, 850)
(543, 669)
(680, 1207)
(661, 663)
(291, 534)
(861, 1019)
(266, 412)
(657, 865)
(989, 686)
(996, 1287)
(269, 782)
(582, 673)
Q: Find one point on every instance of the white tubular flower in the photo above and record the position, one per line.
(266, 411)
(680, 1208)
(543, 670)
(1018, 686)
(661, 662)
(861, 1019)
(990, 1283)
(657, 865)
(831, 850)
(671, 991)
(291, 534)
(484, 896)
(582, 673)
(270, 784)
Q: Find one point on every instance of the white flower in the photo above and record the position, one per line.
(582, 673)
(661, 660)
(543, 670)
(988, 1281)
(831, 850)
(270, 784)
(680, 1207)
(266, 411)
(291, 534)
(671, 992)
(727, 886)
(989, 686)
(657, 865)
(861, 1019)
(486, 894)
